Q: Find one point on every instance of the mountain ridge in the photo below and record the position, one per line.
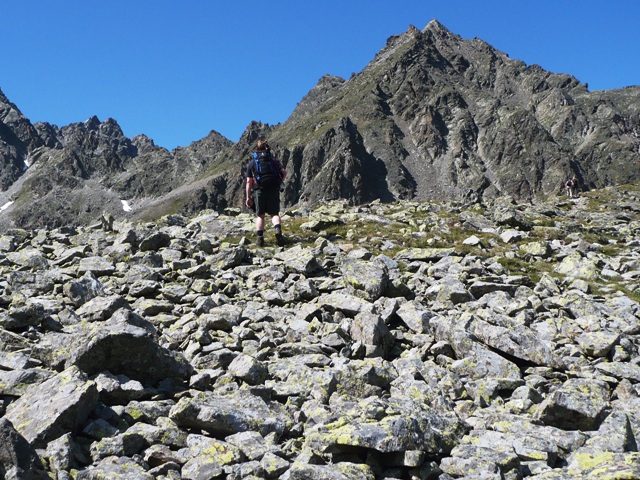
(433, 116)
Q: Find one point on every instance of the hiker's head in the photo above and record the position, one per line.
(262, 145)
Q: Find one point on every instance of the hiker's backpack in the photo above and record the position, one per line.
(265, 171)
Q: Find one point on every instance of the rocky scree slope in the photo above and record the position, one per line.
(387, 341)
(433, 116)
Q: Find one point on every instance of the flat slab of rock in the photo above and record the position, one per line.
(226, 415)
(59, 405)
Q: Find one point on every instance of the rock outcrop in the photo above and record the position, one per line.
(385, 341)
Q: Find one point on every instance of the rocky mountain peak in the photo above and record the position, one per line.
(16, 124)
(93, 123)
(435, 26)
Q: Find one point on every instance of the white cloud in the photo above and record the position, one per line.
(125, 206)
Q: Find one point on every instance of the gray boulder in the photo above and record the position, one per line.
(398, 424)
(82, 290)
(226, 415)
(248, 369)
(577, 404)
(115, 468)
(366, 279)
(124, 345)
(18, 459)
(59, 405)
(370, 330)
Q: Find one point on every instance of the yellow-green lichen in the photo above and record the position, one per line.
(220, 454)
(589, 461)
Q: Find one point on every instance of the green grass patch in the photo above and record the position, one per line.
(173, 206)
(533, 269)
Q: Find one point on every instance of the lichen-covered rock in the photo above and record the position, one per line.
(295, 378)
(101, 308)
(298, 259)
(423, 254)
(395, 425)
(23, 315)
(227, 259)
(577, 404)
(124, 345)
(576, 266)
(273, 465)
(345, 302)
(605, 465)
(535, 249)
(248, 369)
(518, 342)
(479, 461)
(620, 370)
(415, 316)
(226, 415)
(367, 279)
(15, 382)
(340, 471)
(116, 468)
(82, 290)
(58, 405)
(370, 330)
(18, 459)
(97, 265)
(471, 362)
(253, 445)
(597, 344)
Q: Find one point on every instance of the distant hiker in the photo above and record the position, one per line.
(264, 177)
(571, 187)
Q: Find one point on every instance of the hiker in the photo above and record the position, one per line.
(264, 177)
(571, 186)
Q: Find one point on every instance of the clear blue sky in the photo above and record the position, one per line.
(175, 70)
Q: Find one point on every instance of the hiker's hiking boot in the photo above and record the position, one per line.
(280, 239)
(260, 241)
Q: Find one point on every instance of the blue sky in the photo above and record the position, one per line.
(175, 70)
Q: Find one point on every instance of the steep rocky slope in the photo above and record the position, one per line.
(433, 116)
(17, 137)
(437, 116)
(386, 341)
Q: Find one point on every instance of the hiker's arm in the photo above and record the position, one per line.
(283, 172)
(249, 189)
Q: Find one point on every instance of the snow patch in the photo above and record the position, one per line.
(125, 206)
(5, 206)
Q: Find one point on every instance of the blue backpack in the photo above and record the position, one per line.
(265, 172)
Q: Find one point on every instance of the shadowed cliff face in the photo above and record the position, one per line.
(17, 137)
(433, 116)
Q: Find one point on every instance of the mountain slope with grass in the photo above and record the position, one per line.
(432, 117)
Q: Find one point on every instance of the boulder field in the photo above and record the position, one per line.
(385, 341)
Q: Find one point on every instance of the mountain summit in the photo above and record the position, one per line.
(432, 116)
(445, 117)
